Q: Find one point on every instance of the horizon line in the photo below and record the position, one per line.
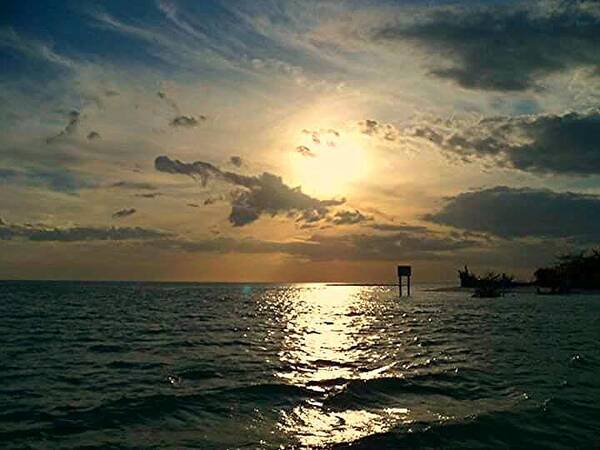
(328, 283)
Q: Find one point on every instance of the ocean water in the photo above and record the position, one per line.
(143, 365)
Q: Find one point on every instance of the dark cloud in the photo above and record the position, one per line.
(567, 144)
(169, 101)
(257, 195)
(93, 135)
(9, 174)
(504, 47)
(187, 121)
(71, 127)
(133, 185)
(126, 212)
(199, 169)
(524, 212)
(369, 127)
(317, 136)
(398, 227)
(305, 151)
(210, 201)
(374, 128)
(311, 216)
(236, 161)
(269, 195)
(149, 195)
(349, 218)
(180, 120)
(60, 180)
(75, 234)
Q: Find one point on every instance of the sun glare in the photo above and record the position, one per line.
(330, 170)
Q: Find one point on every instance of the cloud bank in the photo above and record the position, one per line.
(413, 245)
(76, 234)
(546, 143)
(504, 48)
(518, 213)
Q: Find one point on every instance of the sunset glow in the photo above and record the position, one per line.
(323, 141)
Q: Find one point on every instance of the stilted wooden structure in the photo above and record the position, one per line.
(404, 271)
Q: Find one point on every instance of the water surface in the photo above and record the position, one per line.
(147, 365)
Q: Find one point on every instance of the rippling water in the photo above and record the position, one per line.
(129, 365)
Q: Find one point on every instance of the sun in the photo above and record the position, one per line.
(329, 170)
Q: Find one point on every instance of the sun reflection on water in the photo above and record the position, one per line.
(321, 335)
(328, 343)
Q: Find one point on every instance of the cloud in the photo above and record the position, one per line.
(269, 195)
(33, 48)
(561, 144)
(71, 127)
(236, 161)
(199, 169)
(504, 47)
(317, 137)
(149, 195)
(55, 179)
(311, 216)
(398, 227)
(124, 213)
(258, 195)
(186, 121)
(408, 245)
(76, 234)
(169, 101)
(210, 201)
(180, 120)
(374, 128)
(9, 174)
(518, 213)
(349, 218)
(133, 185)
(305, 151)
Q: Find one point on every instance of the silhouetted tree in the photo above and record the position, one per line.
(575, 270)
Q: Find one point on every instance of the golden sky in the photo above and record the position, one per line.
(296, 141)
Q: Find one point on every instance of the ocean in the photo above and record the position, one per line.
(267, 366)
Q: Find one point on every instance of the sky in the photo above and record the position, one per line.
(296, 140)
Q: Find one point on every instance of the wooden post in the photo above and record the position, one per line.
(404, 271)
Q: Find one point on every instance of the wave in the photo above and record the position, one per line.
(515, 428)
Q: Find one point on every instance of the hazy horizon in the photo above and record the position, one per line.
(242, 282)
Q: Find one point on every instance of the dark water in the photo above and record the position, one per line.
(298, 366)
